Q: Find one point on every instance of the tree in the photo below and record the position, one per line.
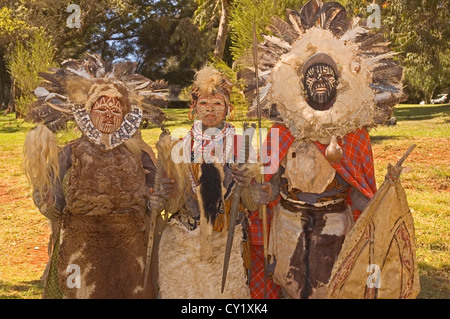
(170, 45)
(12, 27)
(245, 12)
(206, 16)
(418, 29)
(423, 36)
(20, 20)
(159, 35)
(25, 63)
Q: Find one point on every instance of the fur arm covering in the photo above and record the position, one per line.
(247, 200)
(45, 168)
(57, 189)
(247, 195)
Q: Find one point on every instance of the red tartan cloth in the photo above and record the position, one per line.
(257, 276)
(356, 167)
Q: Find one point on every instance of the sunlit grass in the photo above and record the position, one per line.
(426, 178)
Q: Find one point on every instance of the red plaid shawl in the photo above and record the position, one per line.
(356, 167)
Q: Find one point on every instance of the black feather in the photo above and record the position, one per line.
(282, 29)
(308, 13)
(42, 113)
(333, 17)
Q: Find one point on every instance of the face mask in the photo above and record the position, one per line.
(320, 84)
(107, 114)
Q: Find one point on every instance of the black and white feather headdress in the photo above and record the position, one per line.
(370, 81)
(73, 88)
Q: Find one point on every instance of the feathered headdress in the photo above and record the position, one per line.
(369, 80)
(210, 81)
(70, 91)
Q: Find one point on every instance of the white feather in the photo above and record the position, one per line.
(53, 95)
(353, 33)
(81, 73)
(277, 41)
(262, 94)
(40, 91)
(375, 59)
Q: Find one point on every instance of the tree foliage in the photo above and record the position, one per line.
(215, 14)
(25, 63)
(244, 12)
(418, 29)
(172, 39)
(170, 45)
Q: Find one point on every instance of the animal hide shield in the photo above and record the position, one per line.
(378, 258)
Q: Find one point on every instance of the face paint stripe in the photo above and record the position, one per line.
(320, 82)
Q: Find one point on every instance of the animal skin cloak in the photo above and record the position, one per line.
(192, 246)
(102, 232)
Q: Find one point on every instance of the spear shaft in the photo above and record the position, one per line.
(262, 209)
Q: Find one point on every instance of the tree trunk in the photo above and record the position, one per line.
(4, 83)
(12, 98)
(222, 33)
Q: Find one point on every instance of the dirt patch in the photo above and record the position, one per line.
(38, 251)
(434, 151)
(428, 160)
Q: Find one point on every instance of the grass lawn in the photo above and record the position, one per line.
(426, 178)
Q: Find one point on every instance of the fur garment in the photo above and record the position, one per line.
(184, 273)
(103, 225)
(191, 258)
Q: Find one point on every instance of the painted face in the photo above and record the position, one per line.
(211, 110)
(320, 83)
(107, 114)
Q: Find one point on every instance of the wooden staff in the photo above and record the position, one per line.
(154, 213)
(262, 208)
(235, 200)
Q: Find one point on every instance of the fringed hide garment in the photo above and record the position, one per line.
(192, 247)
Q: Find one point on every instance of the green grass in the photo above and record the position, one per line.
(426, 179)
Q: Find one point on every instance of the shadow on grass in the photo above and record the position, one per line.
(420, 113)
(380, 138)
(9, 129)
(433, 282)
(21, 290)
(9, 124)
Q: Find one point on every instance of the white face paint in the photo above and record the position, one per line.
(320, 83)
(211, 110)
(107, 114)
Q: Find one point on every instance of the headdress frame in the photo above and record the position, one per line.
(79, 83)
(362, 59)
